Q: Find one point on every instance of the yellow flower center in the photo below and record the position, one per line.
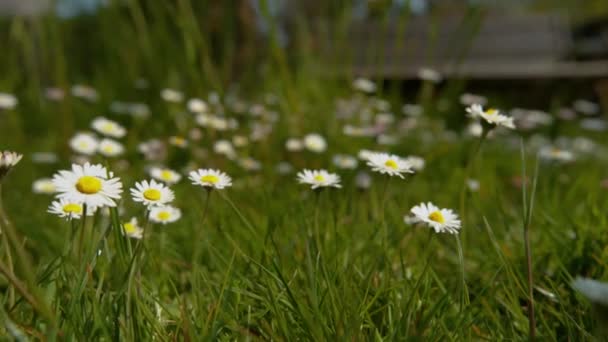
(437, 216)
(319, 178)
(166, 175)
(108, 127)
(163, 215)
(83, 144)
(391, 164)
(88, 185)
(492, 111)
(213, 179)
(152, 195)
(108, 149)
(129, 228)
(72, 208)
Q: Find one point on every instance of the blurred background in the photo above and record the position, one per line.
(553, 51)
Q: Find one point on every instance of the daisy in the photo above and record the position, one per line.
(224, 147)
(164, 215)
(88, 184)
(441, 220)
(344, 161)
(552, 153)
(171, 95)
(68, 209)
(491, 116)
(85, 92)
(197, 106)
(108, 127)
(315, 142)
(209, 178)
(152, 193)
(178, 141)
(416, 162)
(293, 145)
(319, 179)
(7, 161)
(364, 85)
(110, 148)
(43, 186)
(165, 175)
(84, 143)
(8, 101)
(389, 164)
(132, 229)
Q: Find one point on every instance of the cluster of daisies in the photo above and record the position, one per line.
(87, 188)
(441, 220)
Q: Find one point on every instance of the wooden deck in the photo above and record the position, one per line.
(505, 47)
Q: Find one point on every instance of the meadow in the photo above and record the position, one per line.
(138, 90)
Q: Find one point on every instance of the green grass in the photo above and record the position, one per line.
(252, 269)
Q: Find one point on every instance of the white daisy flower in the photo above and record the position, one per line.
(364, 85)
(294, 145)
(108, 127)
(164, 215)
(209, 178)
(152, 193)
(8, 159)
(428, 74)
(171, 95)
(178, 141)
(84, 92)
(68, 209)
(110, 148)
(491, 116)
(416, 162)
(441, 220)
(315, 142)
(197, 106)
(88, 184)
(344, 161)
(84, 143)
(389, 164)
(319, 179)
(8, 101)
(165, 175)
(43, 186)
(132, 229)
(225, 148)
(552, 153)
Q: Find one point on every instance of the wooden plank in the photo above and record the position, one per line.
(514, 69)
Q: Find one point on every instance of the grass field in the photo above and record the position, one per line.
(268, 258)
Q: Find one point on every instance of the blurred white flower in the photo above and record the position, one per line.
(108, 127)
(364, 85)
(171, 95)
(8, 101)
(197, 106)
(84, 143)
(110, 148)
(315, 143)
(43, 186)
(428, 74)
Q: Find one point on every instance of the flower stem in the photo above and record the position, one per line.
(464, 294)
(316, 220)
(197, 251)
(467, 174)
